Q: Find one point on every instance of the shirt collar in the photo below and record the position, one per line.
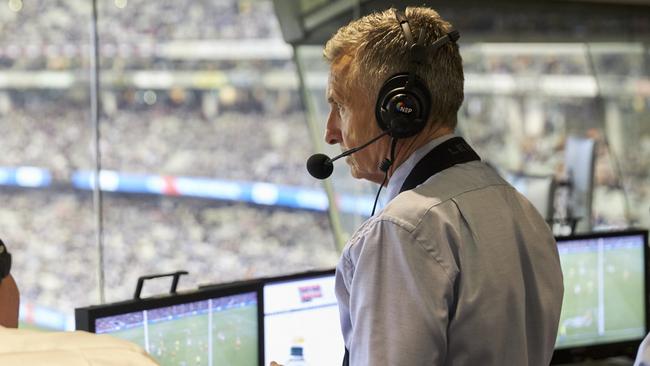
(399, 175)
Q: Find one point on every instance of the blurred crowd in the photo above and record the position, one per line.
(571, 59)
(55, 34)
(52, 237)
(252, 127)
(203, 19)
(528, 137)
(244, 147)
(58, 21)
(244, 142)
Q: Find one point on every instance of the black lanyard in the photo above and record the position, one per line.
(447, 154)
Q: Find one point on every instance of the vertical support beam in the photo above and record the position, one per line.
(94, 113)
(311, 112)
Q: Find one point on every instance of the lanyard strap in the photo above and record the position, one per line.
(449, 153)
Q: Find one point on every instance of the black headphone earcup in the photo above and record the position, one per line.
(402, 110)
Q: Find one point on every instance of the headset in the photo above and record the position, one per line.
(402, 109)
(404, 101)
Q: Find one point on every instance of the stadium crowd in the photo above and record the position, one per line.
(235, 146)
(252, 146)
(621, 194)
(246, 130)
(58, 21)
(578, 59)
(52, 240)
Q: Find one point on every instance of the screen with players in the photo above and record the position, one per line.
(301, 322)
(604, 289)
(217, 331)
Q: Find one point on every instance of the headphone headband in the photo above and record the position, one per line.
(404, 24)
(416, 49)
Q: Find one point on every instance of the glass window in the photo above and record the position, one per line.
(45, 137)
(535, 99)
(201, 108)
(527, 108)
(203, 146)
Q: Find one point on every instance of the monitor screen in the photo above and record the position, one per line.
(301, 321)
(604, 289)
(221, 330)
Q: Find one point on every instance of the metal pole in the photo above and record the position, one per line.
(612, 150)
(94, 113)
(311, 114)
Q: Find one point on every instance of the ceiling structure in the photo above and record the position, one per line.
(314, 21)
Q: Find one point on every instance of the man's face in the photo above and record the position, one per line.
(351, 123)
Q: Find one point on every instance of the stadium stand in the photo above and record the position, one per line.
(243, 121)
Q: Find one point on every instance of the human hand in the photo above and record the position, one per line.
(273, 363)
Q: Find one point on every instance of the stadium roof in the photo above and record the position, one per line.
(314, 21)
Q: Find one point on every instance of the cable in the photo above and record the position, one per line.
(385, 167)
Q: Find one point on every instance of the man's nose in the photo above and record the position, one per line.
(332, 132)
(332, 136)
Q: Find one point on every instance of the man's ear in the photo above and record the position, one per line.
(9, 302)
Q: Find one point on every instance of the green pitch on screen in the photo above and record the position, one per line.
(603, 297)
(185, 341)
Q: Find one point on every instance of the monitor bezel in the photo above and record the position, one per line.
(298, 276)
(608, 349)
(86, 317)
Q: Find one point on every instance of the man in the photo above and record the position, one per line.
(26, 347)
(458, 268)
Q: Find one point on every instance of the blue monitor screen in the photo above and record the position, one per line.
(218, 331)
(604, 290)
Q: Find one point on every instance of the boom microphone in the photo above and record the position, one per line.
(320, 165)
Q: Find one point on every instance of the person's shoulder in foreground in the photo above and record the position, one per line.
(21, 347)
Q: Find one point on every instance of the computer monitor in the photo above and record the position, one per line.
(605, 307)
(579, 163)
(301, 319)
(205, 327)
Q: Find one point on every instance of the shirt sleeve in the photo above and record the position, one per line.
(399, 299)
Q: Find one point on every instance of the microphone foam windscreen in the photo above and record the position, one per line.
(320, 166)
